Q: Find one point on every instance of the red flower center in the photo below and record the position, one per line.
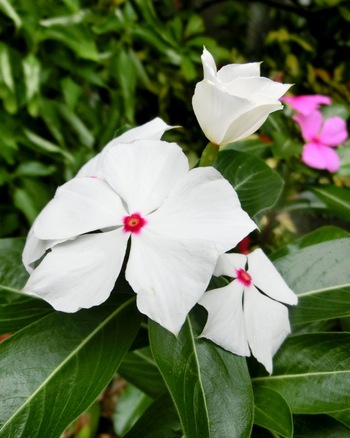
(243, 277)
(134, 223)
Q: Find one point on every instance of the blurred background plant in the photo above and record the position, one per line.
(73, 72)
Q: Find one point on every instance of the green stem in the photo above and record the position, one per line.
(209, 155)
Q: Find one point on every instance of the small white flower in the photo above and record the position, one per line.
(246, 315)
(177, 221)
(232, 103)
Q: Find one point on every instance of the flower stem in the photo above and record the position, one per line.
(209, 155)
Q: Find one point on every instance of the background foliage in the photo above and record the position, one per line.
(74, 72)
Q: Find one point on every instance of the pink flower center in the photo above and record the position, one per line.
(243, 277)
(134, 223)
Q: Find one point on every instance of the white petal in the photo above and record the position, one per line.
(34, 249)
(230, 72)
(259, 90)
(169, 276)
(92, 168)
(216, 110)
(143, 172)
(225, 324)
(266, 277)
(209, 67)
(203, 205)
(228, 263)
(80, 273)
(249, 122)
(152, 130)
(267, 325)
(80, 206)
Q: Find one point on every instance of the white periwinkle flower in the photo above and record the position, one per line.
(178, 222)
(232, 103)
(246, 315)
(35, 248)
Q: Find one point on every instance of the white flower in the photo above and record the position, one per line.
(240, 317)
(178, 222)
(232, 103)
(153, 130)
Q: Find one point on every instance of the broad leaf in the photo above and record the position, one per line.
(160, 420)
(323, 234)
(312, 373)
(16, 309)
(267, 403)
(131, 405)
(139, 368)
(257, 185)
(319, 426)
(211, 387)
(12, 273)
(320, 275)
(336, 199)
(57, 366)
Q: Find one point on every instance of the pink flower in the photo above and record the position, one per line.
(306, 104)
(321, 136)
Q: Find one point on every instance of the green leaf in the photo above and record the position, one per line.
(267, 403)
(319, 426)
(312, 373)
(139, 368)
(57, 366)
(126, 74)
(17, 310)
(194, 370)
(44, 145)
(131, 405)
(257, 185)
(336, 199)
(8, 9)
(320, 275)
(12, 273)
(284, 146)
(323, 234)
(160, 420)
(83, 133)
(75, 36)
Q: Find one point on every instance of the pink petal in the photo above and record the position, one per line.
(308, 103)
(320, 157)
(333, 132)
(310, 125)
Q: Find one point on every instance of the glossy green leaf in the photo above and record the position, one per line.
(257, 185)
(319, 426)
(131, 405)
(320, 275)
(160, 420)
(323, 234)
(139, 368)
(12, 273)
(18, 310)
(312, 373)
(267, 403)
(336, 199)
(342, 416)
(194, 370)
(66, 360)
